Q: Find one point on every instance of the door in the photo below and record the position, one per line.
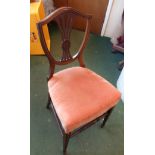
(60, 3)
(97, 8)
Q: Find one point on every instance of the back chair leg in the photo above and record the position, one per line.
(106, 118)
(66, 138)
(48, 102)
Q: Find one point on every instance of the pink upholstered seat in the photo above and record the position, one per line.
(80, 95)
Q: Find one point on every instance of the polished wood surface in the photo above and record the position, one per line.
(60, 3)
(34, 1)
(97, 8)
(63, 17)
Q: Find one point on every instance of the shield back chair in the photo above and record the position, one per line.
(77, 96)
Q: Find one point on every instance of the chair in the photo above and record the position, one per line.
(77, 96)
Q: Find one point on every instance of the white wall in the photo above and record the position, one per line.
(112, 25)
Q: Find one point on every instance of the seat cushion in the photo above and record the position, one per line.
(79, 95)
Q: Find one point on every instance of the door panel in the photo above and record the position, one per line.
(60, 3)
(97, 8)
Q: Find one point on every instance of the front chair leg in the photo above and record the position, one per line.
(65, 141)
(48, 102)
(106, 117)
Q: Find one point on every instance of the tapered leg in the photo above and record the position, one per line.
(106, 118)
(48, 102)
(65, 141)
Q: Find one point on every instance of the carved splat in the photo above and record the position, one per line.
(64, 22)
(63, 16)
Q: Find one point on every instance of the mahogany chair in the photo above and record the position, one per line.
(77, 96)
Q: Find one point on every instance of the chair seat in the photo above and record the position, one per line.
(79, 96)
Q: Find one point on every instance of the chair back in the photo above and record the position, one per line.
(64, 17)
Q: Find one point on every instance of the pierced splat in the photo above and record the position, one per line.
(64, 22)
(63, 17)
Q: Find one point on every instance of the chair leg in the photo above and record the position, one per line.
(66, 138)
(48, 102)
(106, 118)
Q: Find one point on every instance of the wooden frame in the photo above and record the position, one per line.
(63, 16)
(59, 16)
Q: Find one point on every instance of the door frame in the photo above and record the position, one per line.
(107, 15)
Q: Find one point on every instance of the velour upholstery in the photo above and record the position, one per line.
(79, 95)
